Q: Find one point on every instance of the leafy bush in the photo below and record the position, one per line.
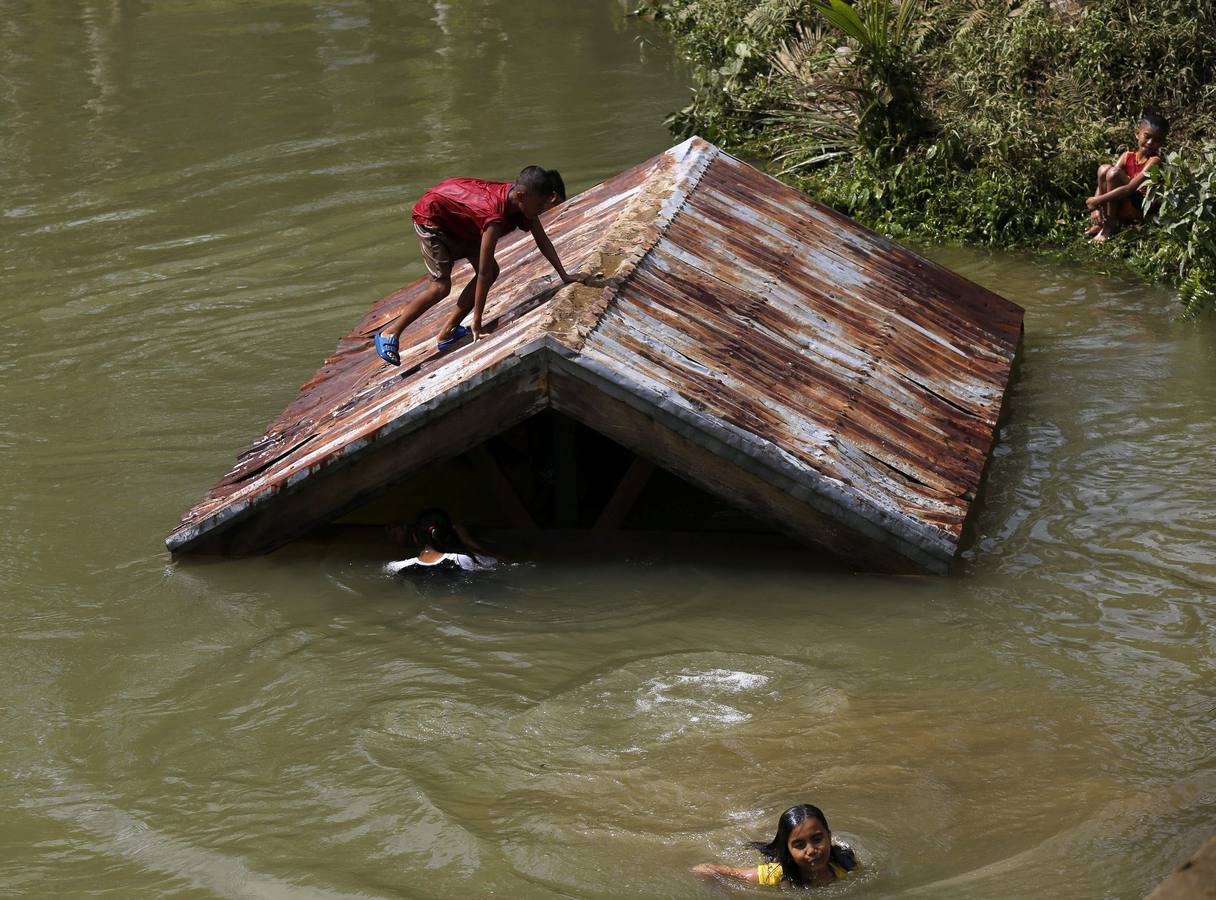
(979, 121)
(1182, 197)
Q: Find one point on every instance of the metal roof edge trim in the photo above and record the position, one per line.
(696, 154)
(769, 462)
(411, 420)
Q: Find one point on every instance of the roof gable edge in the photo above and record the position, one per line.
(338, 452)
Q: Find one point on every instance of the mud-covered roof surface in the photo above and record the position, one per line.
(858, 365)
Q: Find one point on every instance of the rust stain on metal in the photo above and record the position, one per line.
(868, 364)
(738, 306)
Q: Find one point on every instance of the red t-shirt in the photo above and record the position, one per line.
(464, 207)
(1133, 167)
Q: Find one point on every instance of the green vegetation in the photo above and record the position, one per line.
(975, 121)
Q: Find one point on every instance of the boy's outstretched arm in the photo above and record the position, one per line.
(487, 273)
(546, 249)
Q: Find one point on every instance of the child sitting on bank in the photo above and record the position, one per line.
(801, 853)
(463, 218)
(444, 545)
(1121, 187)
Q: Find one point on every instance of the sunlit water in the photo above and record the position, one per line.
(197, 199)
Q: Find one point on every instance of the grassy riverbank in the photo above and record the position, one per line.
(972, 121)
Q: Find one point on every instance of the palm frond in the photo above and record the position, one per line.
(771, 14)
(845, 18)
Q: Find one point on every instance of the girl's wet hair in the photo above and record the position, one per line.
(537, 180)
(1160, 124)
(434, 527)
(778, 849)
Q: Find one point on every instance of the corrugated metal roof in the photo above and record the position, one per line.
(863, 375)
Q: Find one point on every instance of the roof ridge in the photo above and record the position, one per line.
(627, 241)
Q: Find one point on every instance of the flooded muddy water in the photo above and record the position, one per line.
(197, 199)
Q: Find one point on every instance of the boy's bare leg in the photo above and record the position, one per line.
(1097, 217)
(431, 294)
(1115, 177)
(464, 306)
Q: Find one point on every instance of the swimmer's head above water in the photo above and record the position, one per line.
(433, 528)
(803, 846)
(802, 852)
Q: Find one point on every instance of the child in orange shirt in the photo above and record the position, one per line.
(1120, 195)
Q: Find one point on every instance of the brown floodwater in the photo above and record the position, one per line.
(197, 197)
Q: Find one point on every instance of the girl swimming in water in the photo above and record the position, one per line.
(445, 546)
(802, 852)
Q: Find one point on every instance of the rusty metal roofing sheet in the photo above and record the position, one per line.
(868, 365)
(872, 375)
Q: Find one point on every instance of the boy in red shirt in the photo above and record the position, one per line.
(463, 218)
(1119, 199)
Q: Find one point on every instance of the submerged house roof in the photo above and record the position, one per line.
(743, 336)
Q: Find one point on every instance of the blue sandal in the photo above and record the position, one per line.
(459, 333)
(386, 349)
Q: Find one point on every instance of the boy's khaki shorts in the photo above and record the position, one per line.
(440, 251)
